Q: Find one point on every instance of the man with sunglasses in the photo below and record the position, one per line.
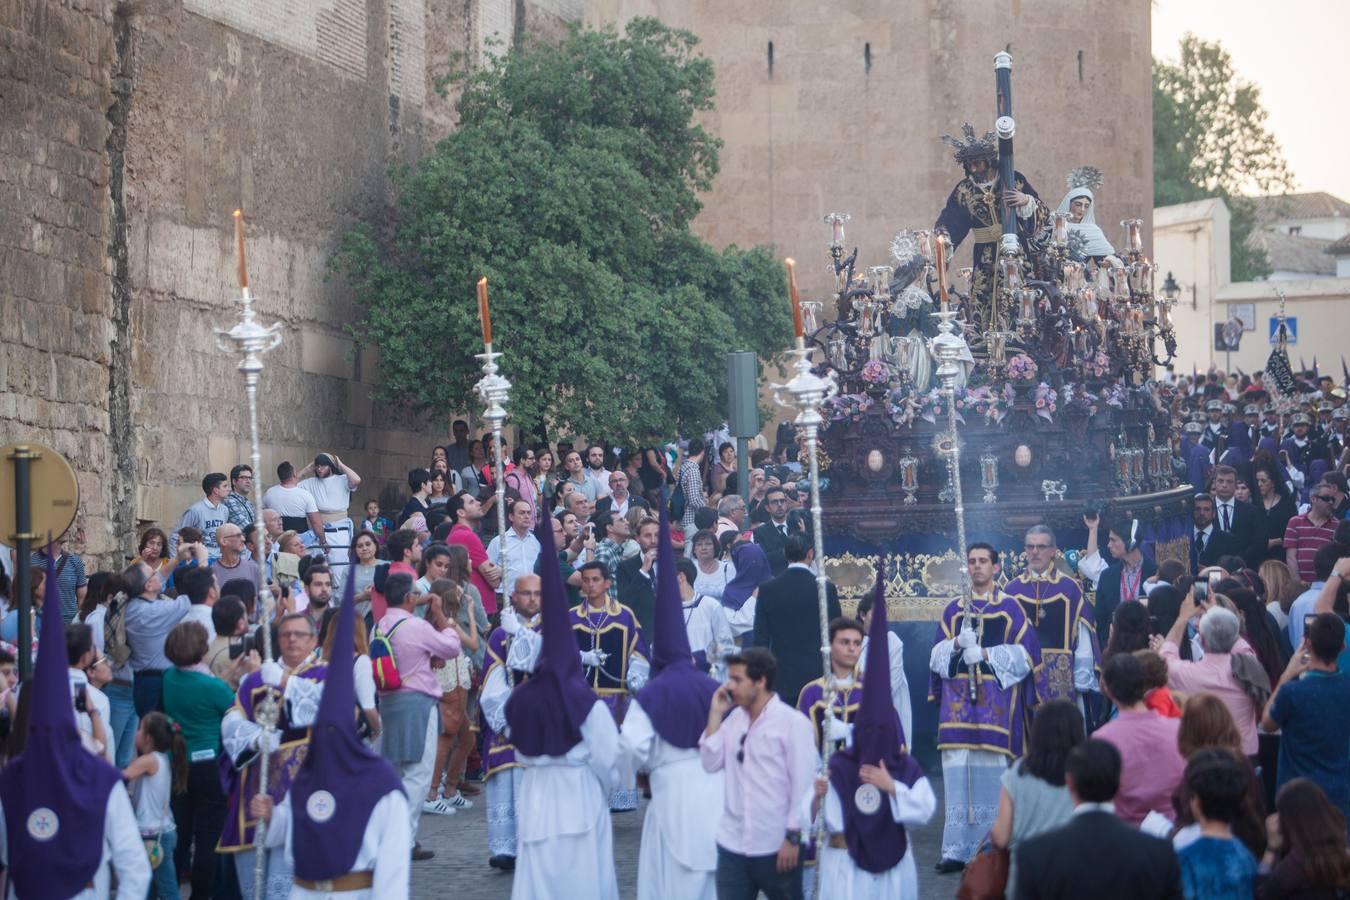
(768, 752)
(1306, 534)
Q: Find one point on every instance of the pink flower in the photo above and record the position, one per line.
(1040, 403)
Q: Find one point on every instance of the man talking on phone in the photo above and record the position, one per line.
(767, 744)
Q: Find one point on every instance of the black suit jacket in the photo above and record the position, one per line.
(1247, 526)
(638, 592)
(773, 542)
(1219, 544)
(787, 622)
(1096, 856)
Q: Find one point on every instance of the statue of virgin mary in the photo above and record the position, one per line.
(1086, 239)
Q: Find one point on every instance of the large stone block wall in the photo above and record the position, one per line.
(848, 117)
(128, 135)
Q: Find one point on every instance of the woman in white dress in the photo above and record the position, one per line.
(714, 573)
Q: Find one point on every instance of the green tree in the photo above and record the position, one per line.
(570, 183)
(1210, 140)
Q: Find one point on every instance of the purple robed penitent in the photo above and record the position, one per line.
(1055, 608)
(752, 570)
(498, 751)
(876, 842)
(677, 697)
(997, 719)
(55, 793)
(546, 713)
(341, 779)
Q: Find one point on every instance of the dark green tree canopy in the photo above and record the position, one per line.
(1210, 140)
(570, 183)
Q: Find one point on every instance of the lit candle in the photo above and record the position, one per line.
(837, 232)
(1089, 304)
(1061, 229)
(483, 315)
(239, 238)
(940, 264)
(1028, 305)
(796, 300)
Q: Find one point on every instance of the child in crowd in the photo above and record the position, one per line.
(158, 771)
(1157, 697)
(1216, 865)
(376, 524)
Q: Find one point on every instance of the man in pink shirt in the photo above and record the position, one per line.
(466, 512)
(768, 752)
(1216, 673)
(1151, 764)
(411, 725)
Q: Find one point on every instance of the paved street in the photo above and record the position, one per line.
(460, 868)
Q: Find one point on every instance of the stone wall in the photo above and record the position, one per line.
(129, 132)
(845, 112)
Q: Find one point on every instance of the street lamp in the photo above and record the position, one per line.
(1171, 290)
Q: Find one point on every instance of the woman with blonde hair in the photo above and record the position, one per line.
(1281, 589)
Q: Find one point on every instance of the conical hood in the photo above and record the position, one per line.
(876, 725)
(55, 793)
(671, 641)
(677, 697)
(545, 713)
(876, 842)
(341, 779)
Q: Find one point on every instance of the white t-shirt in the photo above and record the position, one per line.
(292, 502)
(332, 494)
(364, 675)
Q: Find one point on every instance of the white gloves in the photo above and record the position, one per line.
(966, 638)
(839, 730)
(972, 655)
(269, 742)
(594, 657)
(271, 673)
(509, 622)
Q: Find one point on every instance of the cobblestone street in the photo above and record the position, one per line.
(460, 870)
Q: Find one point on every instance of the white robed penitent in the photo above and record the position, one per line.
(566, 847)
(678, 856)
(842, 879)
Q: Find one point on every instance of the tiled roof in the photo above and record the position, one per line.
(1311, 205)
(1294, 253)
(1339, 248)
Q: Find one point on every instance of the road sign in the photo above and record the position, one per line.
(1291, 328)
(54, 491)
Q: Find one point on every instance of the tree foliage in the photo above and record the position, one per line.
(1210, 140)
(571, 183)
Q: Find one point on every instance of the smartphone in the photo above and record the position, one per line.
(1307, 622)
(1201, 591)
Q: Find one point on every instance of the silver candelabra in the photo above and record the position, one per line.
(495, 391)
(807, 392)
(249, 339)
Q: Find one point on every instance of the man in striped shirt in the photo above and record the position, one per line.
(70, 576)
(1308, 533)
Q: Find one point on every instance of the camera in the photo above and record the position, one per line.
(81, 704)
(241, 646)
(1092, 509)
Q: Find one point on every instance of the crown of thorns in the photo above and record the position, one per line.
(970, 148)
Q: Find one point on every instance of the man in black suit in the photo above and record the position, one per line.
(773, 534)
(1208, 542)
(787, 618)
(1239, 520)
(1095, 855)
(637, 576)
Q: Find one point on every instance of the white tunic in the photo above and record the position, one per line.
(706, 625)
(386, 847)
(840, 876)
(123, 850)
(895, 649)
(565, 840)
(678, 856)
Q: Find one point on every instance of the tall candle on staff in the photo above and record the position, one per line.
(796, 302)
(239, 238)
(940, 264)
(483, 314)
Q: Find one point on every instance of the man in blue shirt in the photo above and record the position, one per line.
(1311, 707)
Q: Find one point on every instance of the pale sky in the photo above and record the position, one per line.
(1295, 52)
